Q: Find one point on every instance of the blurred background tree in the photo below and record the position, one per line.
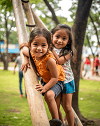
(92, 36)
(6, 28)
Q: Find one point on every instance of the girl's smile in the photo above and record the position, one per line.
(39, 47)
(60, 39)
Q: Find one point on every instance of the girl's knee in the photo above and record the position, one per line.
(67, 107)
(49, 95)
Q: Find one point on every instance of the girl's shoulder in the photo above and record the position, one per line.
(48, 56)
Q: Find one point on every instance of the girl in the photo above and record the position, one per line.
(52, 74)
(62, 40)
(87, 67)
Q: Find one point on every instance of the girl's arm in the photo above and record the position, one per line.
(25, 51)
(61, 60)
(52, 67)
(25, 64)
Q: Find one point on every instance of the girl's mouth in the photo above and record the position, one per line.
(58, 44)
(38, 52)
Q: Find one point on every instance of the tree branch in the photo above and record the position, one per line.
(54, 17)
(89, 44)
(95, 29)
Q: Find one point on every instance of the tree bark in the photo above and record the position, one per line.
(6, 55)
(35, 101)
(78, 31)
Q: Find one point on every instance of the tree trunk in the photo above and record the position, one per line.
(6, 56)
(4, 59)
(35, 101)
(78, 31)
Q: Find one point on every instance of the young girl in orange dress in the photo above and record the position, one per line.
(52, 73)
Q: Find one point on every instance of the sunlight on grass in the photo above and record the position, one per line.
(89, 97)
(14, 111)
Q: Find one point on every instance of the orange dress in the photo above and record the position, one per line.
(42, 70)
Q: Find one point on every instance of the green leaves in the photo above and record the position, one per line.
(6, 4)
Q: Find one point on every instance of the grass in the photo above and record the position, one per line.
(14, 111)
(89, 99)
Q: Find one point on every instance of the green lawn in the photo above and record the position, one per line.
(89, 98)
(14, 111)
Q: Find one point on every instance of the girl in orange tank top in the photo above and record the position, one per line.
(52, 74)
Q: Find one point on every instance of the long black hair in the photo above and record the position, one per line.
(68, 48)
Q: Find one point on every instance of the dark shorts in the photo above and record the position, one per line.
(69, 87)
(96, 68)
(57, 88)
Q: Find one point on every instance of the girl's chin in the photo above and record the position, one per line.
(58, 46)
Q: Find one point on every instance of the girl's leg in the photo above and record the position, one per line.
(50, 100)
(58, 101)
(60, 116)
(66, 101)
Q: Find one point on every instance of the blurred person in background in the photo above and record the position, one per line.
(19, 63)
(92, 64)
(87, 67)
(96, 63)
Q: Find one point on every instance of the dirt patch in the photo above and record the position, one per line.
(13, 110)
(92, 122)
(97, 121)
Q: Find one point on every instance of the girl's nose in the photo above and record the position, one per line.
(39, 48)
(59, 40)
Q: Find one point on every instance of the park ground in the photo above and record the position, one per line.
(13, 110)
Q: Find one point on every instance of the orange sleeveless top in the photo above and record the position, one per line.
(42, 70)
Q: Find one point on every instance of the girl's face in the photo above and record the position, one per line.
(39, 47)
(60, 39)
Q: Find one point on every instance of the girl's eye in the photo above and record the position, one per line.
(64, 38)
(35, 44)
(57, 36)
(43, 45)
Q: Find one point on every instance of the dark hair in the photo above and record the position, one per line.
(67, 28)
(38, 31)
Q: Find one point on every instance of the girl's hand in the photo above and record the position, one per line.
(25, 66)
(40, 88)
